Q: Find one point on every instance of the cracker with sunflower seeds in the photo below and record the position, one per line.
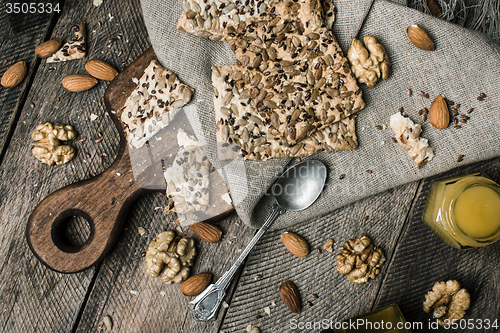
(242, 132)
(292, 77)
(210, 18)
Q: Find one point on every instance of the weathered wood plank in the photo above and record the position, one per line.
(33, 298)
(21, 33)
(157, 307)
(338, 298)
(421, 259)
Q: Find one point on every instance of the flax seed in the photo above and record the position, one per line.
(460, 158)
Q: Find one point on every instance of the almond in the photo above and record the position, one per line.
(420, 38)
(78, 82)
(14, 75)
(439, 115)
(297, 245)
(101, 70)
(206, 232)
(48, 48)
(290, 296)
(196, 284)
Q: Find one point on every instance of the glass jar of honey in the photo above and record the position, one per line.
(464, 211)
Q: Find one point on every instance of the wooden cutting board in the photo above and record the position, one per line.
(124, 181)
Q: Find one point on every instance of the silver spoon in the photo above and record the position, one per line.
(296, 189)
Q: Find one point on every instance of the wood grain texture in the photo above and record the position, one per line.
(421, 259)
(20, 35)
(45, 231)
(317, 273)
(33, 298)
(156, 307)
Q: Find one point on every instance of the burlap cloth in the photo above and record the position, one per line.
(465, 64)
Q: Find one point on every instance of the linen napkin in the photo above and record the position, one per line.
(464, 64)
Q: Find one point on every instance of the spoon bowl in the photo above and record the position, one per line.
(300, 185)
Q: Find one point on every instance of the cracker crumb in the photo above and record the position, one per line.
(162, 293)
(134, 292)
(93, 117)
(226, 198)
(97, 3)
(225, 305)
(141, 231)
(267, 310)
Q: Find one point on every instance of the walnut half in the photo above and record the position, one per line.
(448, 301)
(177, 253)
(47, 147)
(371, 63)
(360, 260)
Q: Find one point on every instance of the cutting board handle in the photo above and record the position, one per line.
(103, 201)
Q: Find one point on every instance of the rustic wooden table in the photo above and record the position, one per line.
(36, 299)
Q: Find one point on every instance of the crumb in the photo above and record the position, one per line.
(226, 198)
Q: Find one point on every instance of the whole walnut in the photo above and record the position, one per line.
(448, 302)
(360, 260)
(47, 146)
(177, 253)
(369, 64)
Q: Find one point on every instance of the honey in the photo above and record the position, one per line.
(477, 211)
(464, 211)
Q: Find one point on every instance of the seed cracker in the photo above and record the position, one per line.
(242, 132)
(291, 80)
(210, 18)
(188, 178)
(153, 104)
(408, 137)
(72, 49)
